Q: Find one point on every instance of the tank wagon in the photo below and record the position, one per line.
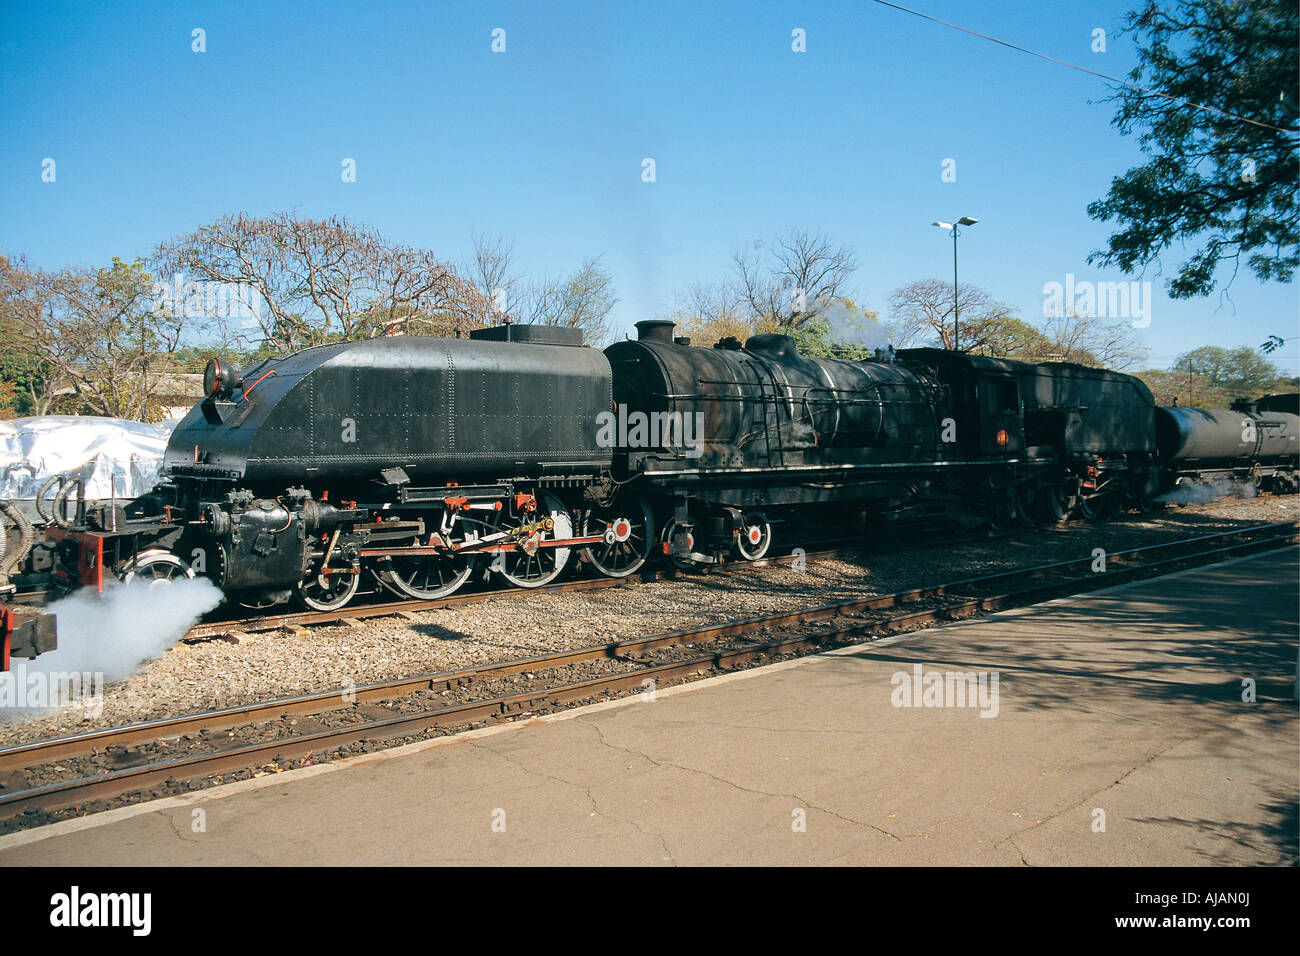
(407, 464)
(1244, 444)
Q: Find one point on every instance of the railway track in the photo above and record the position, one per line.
(175, 755)
(403, 608)
(822, 549)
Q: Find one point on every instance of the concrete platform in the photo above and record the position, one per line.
(1121, 709)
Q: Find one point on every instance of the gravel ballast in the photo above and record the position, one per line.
(264, 666)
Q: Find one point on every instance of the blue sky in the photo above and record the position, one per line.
(545, 142)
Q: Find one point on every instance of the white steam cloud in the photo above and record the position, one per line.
(103, 638)
(851, 326)
(118, 630)
(1202, 492)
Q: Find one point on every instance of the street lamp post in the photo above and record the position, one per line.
(963, 221)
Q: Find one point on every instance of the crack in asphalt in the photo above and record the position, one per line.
(586, 789)
(1010, 838)
(171, 820)
(731, 783)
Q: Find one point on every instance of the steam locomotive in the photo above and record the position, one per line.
(407, 464)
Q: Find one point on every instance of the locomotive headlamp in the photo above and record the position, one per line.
(1003, 437)
(218, 379)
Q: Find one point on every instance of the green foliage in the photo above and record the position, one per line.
(194, 358)
(24, 373)
(1215, 179)
(1174, 388)
(23, 376)
(1214, 377)
(813, 339)
(1240, 372)
(8, 401)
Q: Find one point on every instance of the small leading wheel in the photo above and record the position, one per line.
(426, 576)
(627, 529)
(679, 561)
(327, 592)
(530, 565)
(155, 568)
(755, 536)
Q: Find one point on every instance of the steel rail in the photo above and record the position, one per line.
(1133, 562)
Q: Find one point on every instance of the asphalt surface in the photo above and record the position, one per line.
(1120, 729)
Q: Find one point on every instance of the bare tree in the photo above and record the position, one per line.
(922, 313)
(325, 280)
(100, 342)
(25, 293)
(582, 300)
(493, 273)
(784, 282)
(711, 312)
(1090, 341)
(417, 294)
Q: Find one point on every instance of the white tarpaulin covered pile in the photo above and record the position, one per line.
(116, 458)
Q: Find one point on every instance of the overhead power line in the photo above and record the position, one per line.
(1084, 69)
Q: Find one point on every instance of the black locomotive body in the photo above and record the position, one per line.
(338, 415)
(409, 463)
(405, 457)
(766, 408)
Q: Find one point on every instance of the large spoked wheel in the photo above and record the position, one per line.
(426, 577)
(155, 569)
(628, 529)
(327, 592)
(678, 561)
(755, 537)
(530, 565)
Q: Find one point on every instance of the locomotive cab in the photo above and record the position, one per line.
(985, 398)
(1002, 426)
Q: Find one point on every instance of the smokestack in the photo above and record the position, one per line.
(655, 330)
